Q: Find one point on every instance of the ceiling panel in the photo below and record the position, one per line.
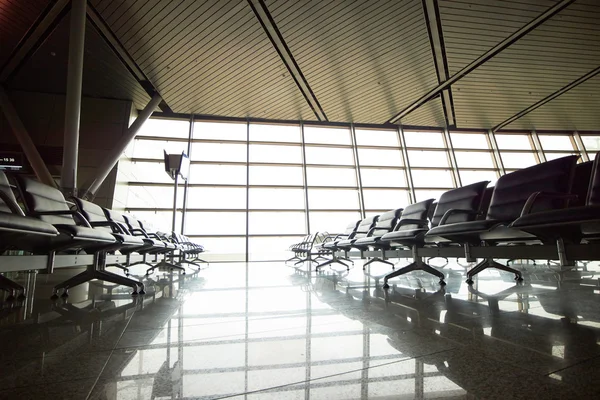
(364, 60)
(578, 109)
(104, 75)
(429, 114)
(209, 57)
(558, 52)
(16, 16)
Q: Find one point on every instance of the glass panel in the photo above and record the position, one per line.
(145, 172)
(218, 174)
(220, 131)
(422, 195)
(332, 222)
(159, 220)
(165, 128)
(556, 142)
(330, 176)
(276, 199)
(284, 175)
(591, 143)
(261, 222)
(215, 223)
(155, 148)
(473, 159)
(372, 137)
(424, 139)
(275, 133)
(513, 142)
(218, 152)
(378, 157)
(275, 154)
(420, 158)
(270, 248)
(385, 199)
(469, 141)
(432, 178)
(329, 156)
(208, 197)
(467, 177)
(333, 199)
(518, 160)
(383, 177)
(221, 245)
(314, 134)
(152, 197)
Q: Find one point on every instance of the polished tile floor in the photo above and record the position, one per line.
(270, 331)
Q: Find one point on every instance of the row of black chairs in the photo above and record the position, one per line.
(49, 225)
(555, 202)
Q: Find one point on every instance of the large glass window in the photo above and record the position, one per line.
(516, 150)
(591, 143)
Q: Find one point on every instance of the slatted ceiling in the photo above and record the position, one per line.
(578, 109)
(472, 27)
(558, 52)
(364, 60)
(16, 16)
(430, 114)
(104, 75)
(207, 57)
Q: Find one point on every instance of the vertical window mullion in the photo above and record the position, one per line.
(305, 179)
(452, 158)
(247, 189)
(496, 153)
(185, 187)
(576, 137)
(361, 198)
(537, 145)
(407, 170)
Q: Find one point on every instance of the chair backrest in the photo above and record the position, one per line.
(386, 222)
(581, 183)
(351, 228)
(593, 197)
(92, 212)
(39, 197)
(512, 190)
(468, 198)
(8, 193)
(419, 211)
(365, 226)
(117, 217)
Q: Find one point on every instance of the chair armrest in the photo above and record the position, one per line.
(545, 195)
(117, 228)
(139, 232)
(14, 207)
(453, 211)
(73, 213)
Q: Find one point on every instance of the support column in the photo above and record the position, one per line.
(68, 178)
(113, 157)
(35, 160)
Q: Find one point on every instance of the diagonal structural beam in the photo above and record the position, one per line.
(433, 21)
(547, 99)
(524, 30)
(117, 47)
(266, 20)
(34, 37)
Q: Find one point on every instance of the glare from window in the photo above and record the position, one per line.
(314, 134)
(220, 131)
(372, 137)
(469, 141)
(424, 139)
(556, 142)
(513, 142)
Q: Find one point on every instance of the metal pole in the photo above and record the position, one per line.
(409, 180)
(34, 158)
(361, 198)
(113, 157)
(305, 179)
(452, 158)
(580, 147)
(497, 157)
(175, 202)
(537, 145)
(68, 178)
(185, 187)
(247, 194)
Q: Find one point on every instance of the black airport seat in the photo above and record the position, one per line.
(17, 232)
(386, 223)
(153, 243)
(329, 245)
(569, 224)
(49, 205)
(364, 228)
(462, 204)
(513, 193)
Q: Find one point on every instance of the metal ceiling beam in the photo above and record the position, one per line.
(548, 98)
(117, 47)
(524, 30)
(266, 20)
(433, 21)
(35, 36)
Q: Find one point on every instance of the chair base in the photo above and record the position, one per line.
(102, 275)
(166, 264)
(414, 266)
(381, 260)
(489, 263)
(12, 288)
(332, 261)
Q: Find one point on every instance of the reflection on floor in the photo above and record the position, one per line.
(268, 331)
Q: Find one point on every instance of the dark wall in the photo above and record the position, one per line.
(103, 122)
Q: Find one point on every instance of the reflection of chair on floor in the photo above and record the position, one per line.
(519, 289)
(168, 381)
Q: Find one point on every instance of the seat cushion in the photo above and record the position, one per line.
(345, 243)
(85, 233)
(406, 234)
(366, 241)
(128, 240)
(464, 228)
(574, 215)
(17, 223)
